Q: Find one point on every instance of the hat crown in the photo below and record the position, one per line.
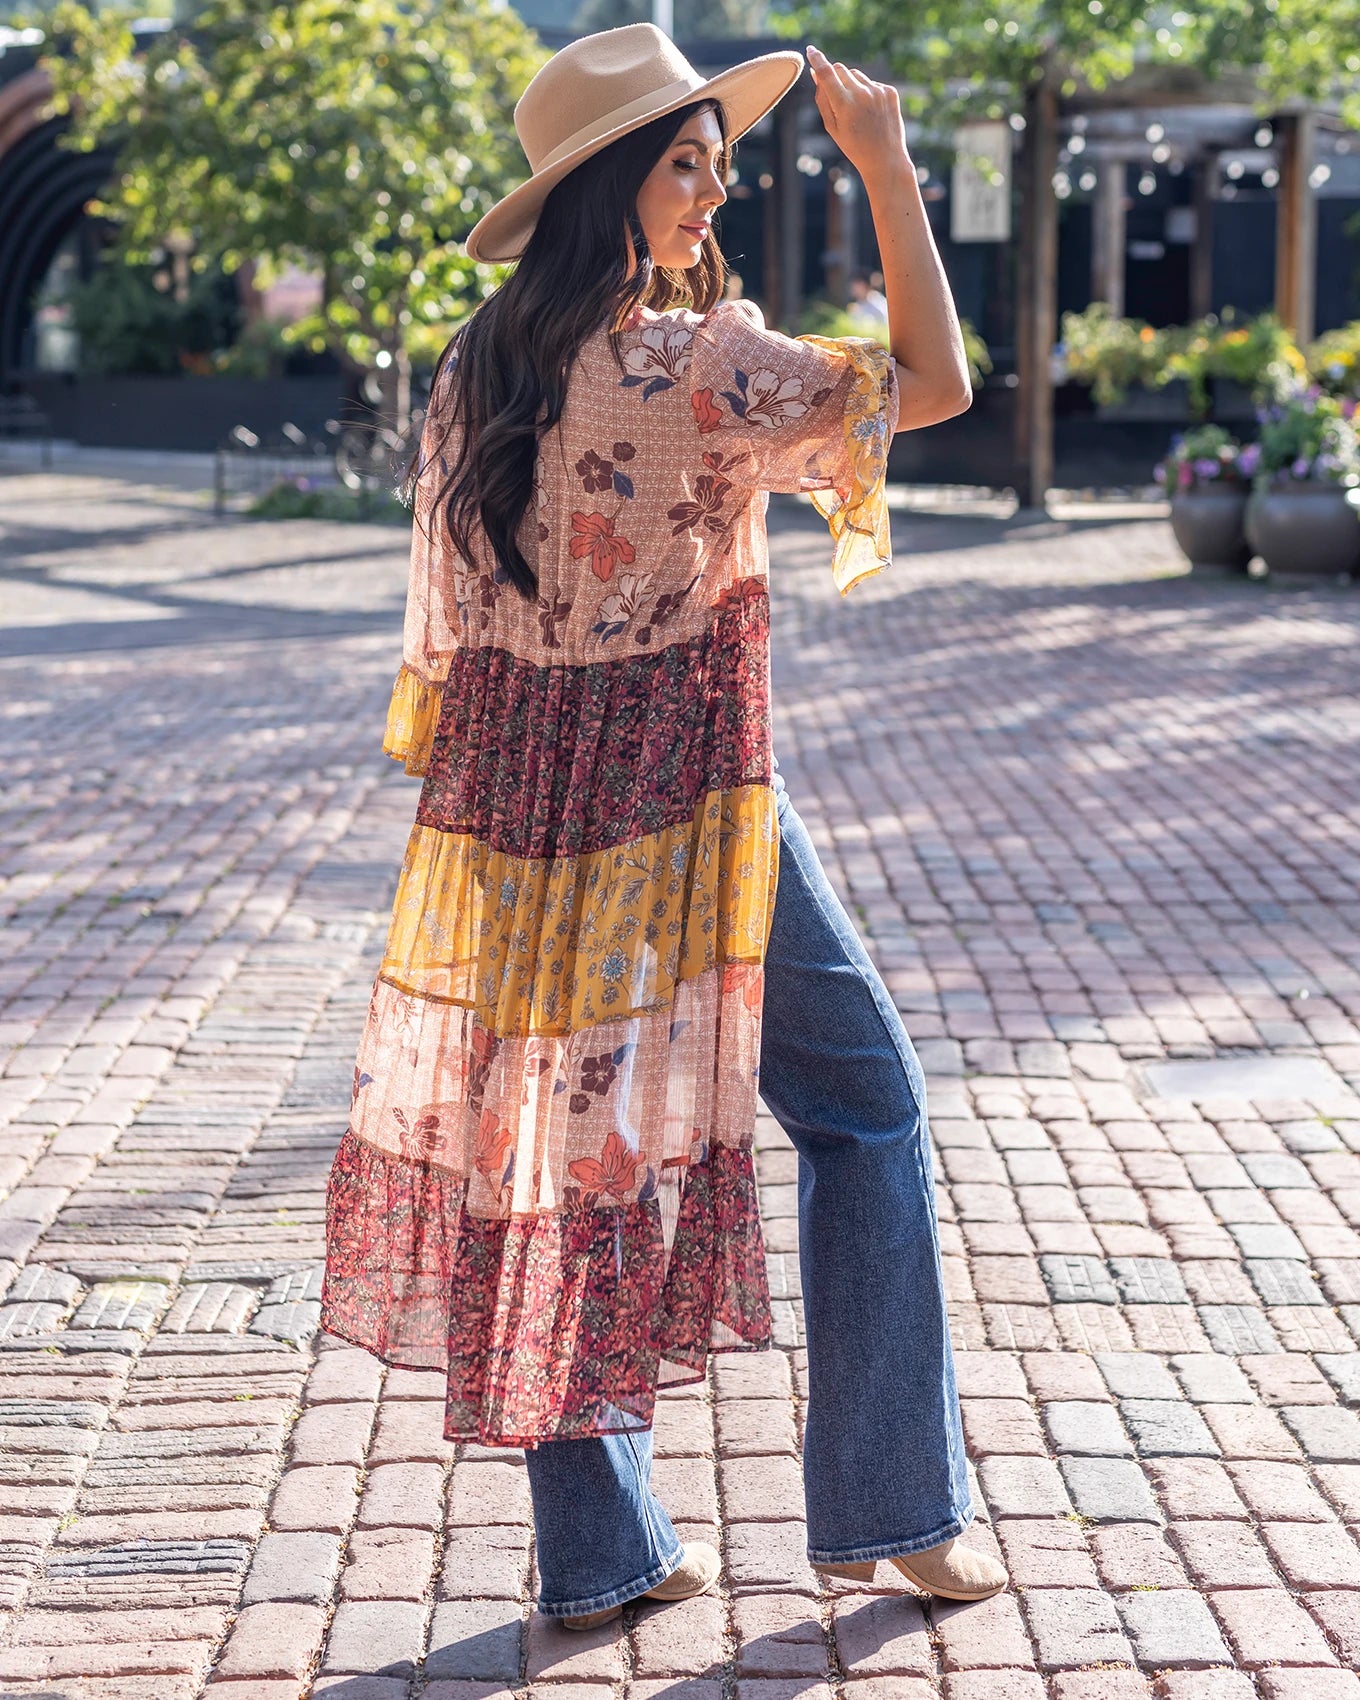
(590, 81)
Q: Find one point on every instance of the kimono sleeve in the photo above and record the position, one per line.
(808, 415)
(432, 626)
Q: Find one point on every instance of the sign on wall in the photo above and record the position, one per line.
(980, 191)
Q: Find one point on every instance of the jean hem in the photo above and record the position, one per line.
(895, 1549)
(616, 1596)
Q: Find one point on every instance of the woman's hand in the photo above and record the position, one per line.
(862, 117)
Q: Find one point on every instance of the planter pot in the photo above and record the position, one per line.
(1169, 405)
(1230, 403)
(1305, 527)
(1209, 525)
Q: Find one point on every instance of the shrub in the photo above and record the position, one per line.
(1207, 454)
(1307, 435)
(305, 498)
(1257, 353)
(1334, 361)
(1110, 354)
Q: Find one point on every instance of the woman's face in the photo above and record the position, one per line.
(679, 193)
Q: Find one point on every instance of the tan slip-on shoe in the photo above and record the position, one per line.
(696, 1573)
(949, 1570)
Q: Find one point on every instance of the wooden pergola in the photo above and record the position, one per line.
(1201, 121)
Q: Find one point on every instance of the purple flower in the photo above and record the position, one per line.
(1301, 467)
(1205, 469)
(1249, 459)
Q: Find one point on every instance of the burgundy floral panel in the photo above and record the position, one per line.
(557, 761)
(556, 1325)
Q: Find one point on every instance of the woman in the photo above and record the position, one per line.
(610, 922)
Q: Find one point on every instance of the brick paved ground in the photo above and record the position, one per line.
(1093, 819)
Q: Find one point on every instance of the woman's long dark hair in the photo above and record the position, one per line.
(507, 365)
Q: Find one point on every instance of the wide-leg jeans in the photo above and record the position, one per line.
(883, 1456)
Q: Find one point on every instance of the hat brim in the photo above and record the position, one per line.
(747, 92)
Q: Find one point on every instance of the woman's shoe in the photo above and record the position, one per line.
(949, 1570)
(696, 1573)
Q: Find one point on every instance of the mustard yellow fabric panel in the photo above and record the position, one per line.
(552, 945)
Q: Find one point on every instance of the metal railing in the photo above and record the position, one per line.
(356, 456)
(22, 418)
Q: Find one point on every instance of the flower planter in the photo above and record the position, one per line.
(1209, 525)
(1304, 526)
(1168, 405)
(1231, 402)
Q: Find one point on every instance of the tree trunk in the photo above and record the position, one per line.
(1296, 225)
(395, 409)
(1037, 293)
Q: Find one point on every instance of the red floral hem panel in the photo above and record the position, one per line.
(548, 1327)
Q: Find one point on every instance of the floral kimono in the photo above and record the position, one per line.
(546, 1187)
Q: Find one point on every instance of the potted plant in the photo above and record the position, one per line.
(1334, 361)
(1217, 355)
(1109, 354)
(1208, 493)
(1303, 515)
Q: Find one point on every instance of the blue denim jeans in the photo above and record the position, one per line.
(884, 1467)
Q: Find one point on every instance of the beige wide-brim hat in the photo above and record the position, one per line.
(599, 88)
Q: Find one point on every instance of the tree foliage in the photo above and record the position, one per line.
(957, 55)
(358, 138)
(695, 20)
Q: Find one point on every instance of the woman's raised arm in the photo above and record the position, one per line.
(864, 119)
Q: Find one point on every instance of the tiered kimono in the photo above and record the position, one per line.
(546, 1187)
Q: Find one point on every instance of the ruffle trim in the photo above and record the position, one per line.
(412, 716)
(858, 518)
(552, 1326)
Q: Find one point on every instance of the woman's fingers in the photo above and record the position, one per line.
(864, 116)
(825, 73)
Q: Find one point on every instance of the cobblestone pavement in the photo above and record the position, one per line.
(1099, 824)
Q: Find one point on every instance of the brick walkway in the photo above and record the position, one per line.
(1099, 825)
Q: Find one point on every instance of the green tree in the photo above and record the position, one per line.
(983, 57)
(975, 57)
(360, 139)
(695, 20)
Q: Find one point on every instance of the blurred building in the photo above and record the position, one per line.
(1166, 207)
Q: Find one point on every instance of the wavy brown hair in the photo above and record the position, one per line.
(502, 378)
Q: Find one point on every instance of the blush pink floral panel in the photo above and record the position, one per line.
(546, 1187)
